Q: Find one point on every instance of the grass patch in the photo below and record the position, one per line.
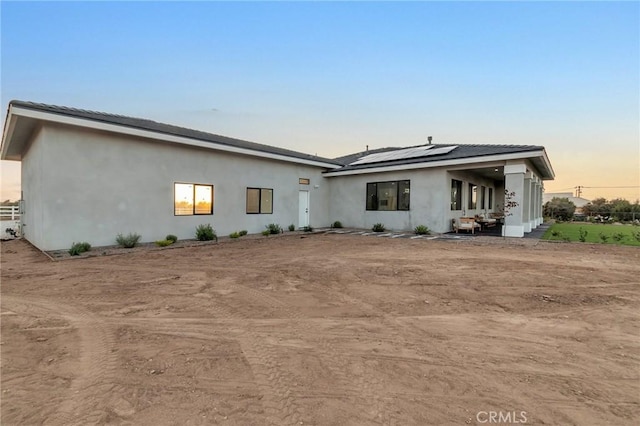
(595, 233)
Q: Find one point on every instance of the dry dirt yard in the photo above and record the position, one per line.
(323, 330)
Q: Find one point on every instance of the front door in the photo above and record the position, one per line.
(303, 212)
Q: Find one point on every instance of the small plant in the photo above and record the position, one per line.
(308, 228)
(378, 227)
(566, 238)
(266, 232)
(422, 230)
(636, 235)
(292, 227)
(336, 224)
(274, 228)
(556, 233)
(618, 237)
(243, 233)
(171, 238)
(234, 235)
(603, 237)
(79, 248)
(164, 243)
(206, 233)
(128, 241)
(583, 235)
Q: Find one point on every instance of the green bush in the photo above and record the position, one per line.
(618, 236)
(164, 243)
(243, 233)
(128, 241)
(274, 228)
(336, 224)
(171, 238)
(308, 228)
(79, 248)
(234, 235)
(378, 227)
(266, 233)
(636, 235)
(583, 235)
(292, 227)
(422, 230)
(603, 237)
(205, 232)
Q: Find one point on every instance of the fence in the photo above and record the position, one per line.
(9, 212)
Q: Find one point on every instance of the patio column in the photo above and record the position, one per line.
(538, 203)
(526, 203)
(514, 183)
(533, 208)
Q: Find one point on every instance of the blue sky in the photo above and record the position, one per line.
(331, 78)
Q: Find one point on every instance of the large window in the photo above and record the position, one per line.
(456, 194)
(473, 196)
(191, 198)
(393, 195)
(490, 201)
(482, 197)
(259, 200)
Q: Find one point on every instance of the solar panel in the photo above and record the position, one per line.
(401, 154)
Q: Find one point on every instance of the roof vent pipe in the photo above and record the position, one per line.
(367, 150)
(429, 138)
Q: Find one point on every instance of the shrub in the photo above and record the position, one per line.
(556, 233)
(583, 235)
(234, 235)
(422, 230)
(308, 228)
(292, 227)
(378, 227)
(243, 233)
(618, 237)
(171, 238)
(164, 243)
(336, 224)
(636, 235)
(205, 232)
(266, 233)
(128, 241)
(274, 228)
(603, 237)
(79, 248)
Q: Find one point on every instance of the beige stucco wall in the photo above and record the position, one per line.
(96, 185)
(429, 197)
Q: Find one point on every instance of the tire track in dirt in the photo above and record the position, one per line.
(96, 363)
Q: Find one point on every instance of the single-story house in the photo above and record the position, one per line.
(579, 202)
(88, 176)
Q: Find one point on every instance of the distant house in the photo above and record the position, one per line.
(579, 202)
(87, 176)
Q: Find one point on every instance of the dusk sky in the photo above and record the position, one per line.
(330, 78)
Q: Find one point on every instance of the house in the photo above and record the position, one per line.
(579, 202)
(87, 176)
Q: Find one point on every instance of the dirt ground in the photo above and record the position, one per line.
(323, 330)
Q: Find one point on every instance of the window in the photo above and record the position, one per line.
(259, 201)
(482, 203)
(191, 198)
(304, 181)
(490, 201)
(456, 194)
(473, 196)
(393, 195)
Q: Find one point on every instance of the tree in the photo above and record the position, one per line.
(559, 208)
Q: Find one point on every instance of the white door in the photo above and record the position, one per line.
(303, 212)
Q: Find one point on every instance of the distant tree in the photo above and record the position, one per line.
(559, 208)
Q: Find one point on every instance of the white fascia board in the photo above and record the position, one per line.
(9, 126)
(470, 161)
(149, 134)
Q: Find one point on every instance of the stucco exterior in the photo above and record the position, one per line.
(85, 185)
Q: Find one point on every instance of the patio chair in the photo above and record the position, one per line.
(466, 224)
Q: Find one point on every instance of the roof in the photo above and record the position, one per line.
(156, 127)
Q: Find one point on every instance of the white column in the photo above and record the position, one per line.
(526, 203)
(538, 203)
(514, 183)
(534, 202)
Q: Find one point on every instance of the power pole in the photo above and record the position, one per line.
(578, 191)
